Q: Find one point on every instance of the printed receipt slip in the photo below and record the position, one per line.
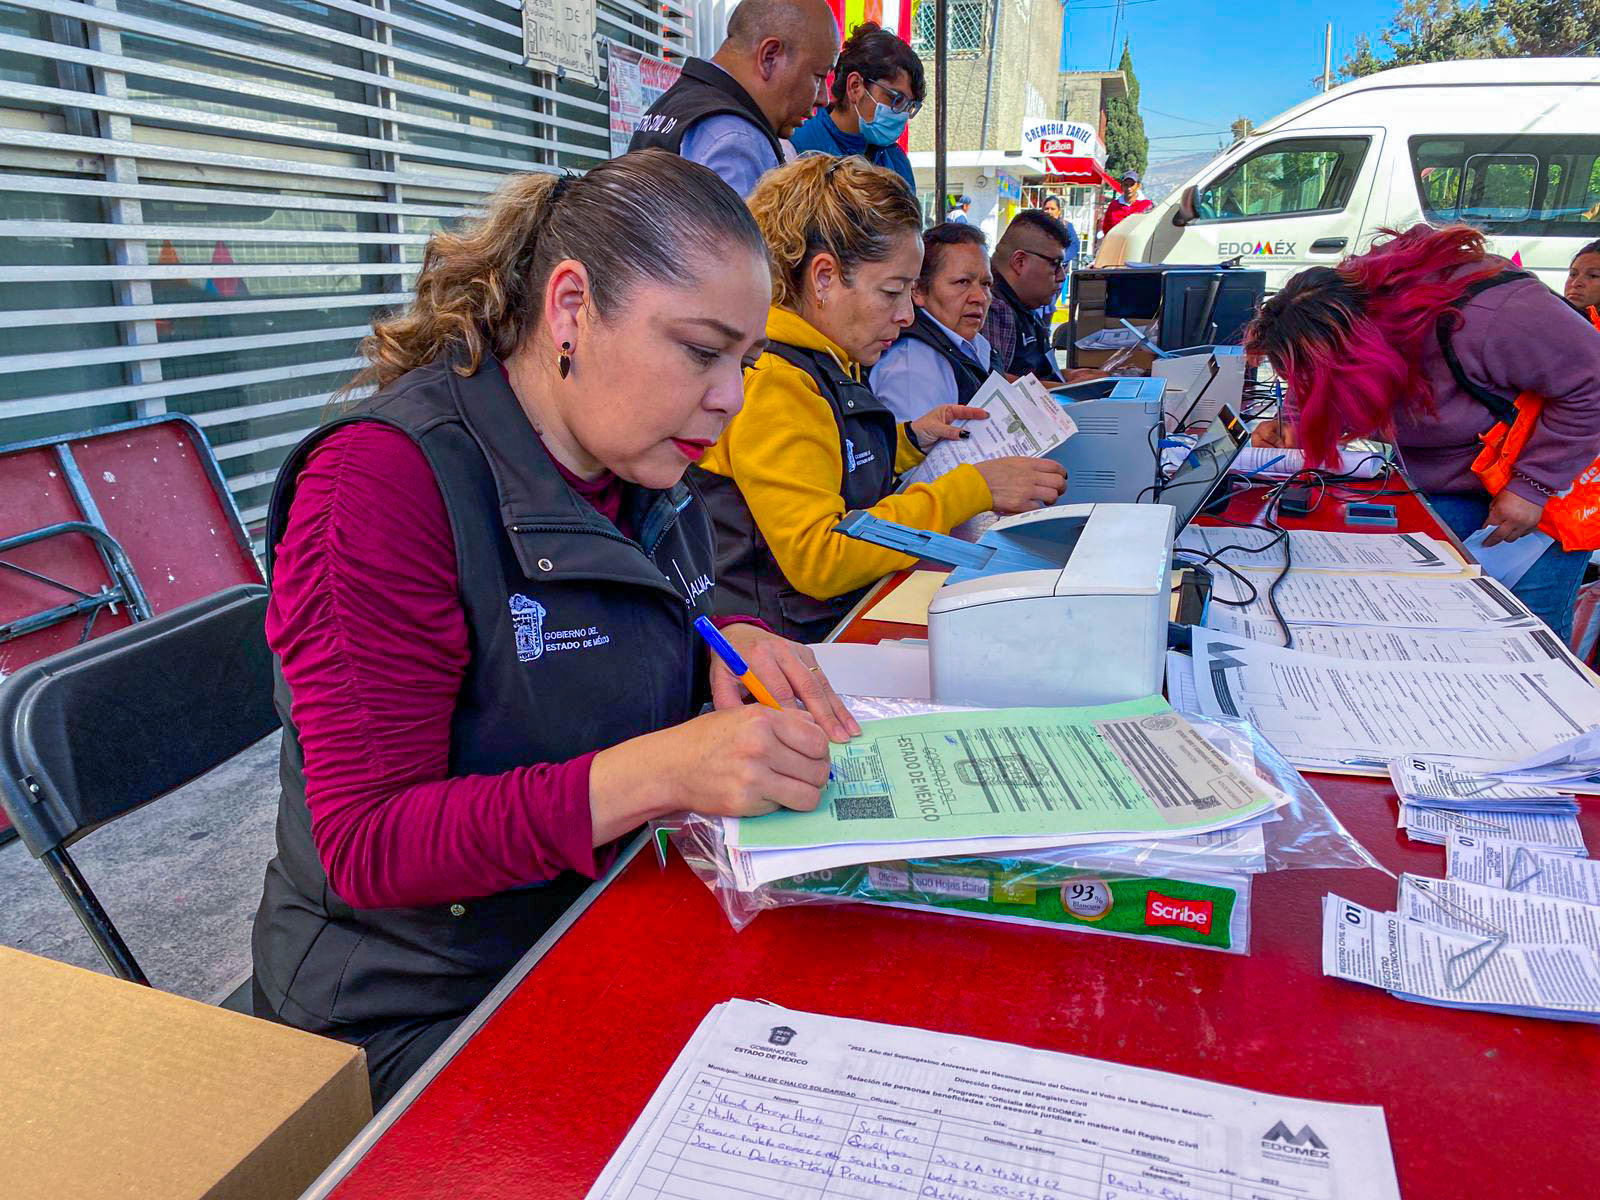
(1481, 970)
(765, 1101)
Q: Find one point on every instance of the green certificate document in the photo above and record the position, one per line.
(1130, 768)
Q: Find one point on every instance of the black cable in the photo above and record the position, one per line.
(1214, 559)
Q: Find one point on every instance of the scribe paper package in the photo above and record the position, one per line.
(979, 877)
(1210, 912)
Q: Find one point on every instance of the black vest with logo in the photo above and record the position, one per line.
(703, 90)
(1031, 355)
(749, 580)
(969, 375)
(579, 638)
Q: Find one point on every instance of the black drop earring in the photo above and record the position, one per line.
(564, 363)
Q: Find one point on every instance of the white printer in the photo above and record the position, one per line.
(1064, 606)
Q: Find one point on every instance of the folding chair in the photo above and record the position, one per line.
(92, 733)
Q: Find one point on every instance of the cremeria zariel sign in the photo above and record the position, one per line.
(1069, 148)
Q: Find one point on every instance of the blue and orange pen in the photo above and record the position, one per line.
(721, 647)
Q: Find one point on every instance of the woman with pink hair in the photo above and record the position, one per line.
(1427, 341)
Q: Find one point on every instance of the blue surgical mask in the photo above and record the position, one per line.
(886, 125)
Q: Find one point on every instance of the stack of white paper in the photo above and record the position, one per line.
(1574, 762)
(1131, 786)
(1556, 832)
(1481, 969)
(1350, 715)
(1438, 795)
(1252, 548)
(1520, 866)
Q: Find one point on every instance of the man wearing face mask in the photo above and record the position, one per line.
(731, 112)
(878, 86)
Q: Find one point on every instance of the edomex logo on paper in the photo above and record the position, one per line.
(781, 1035)
(1164, 910)
(1281, 1143)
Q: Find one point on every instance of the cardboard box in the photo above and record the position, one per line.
(110, 1090)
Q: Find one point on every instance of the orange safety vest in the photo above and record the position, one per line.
(1572, 518)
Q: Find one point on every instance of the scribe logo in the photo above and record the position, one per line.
(1303, 1147)
(1164, 910)
(781, 1035)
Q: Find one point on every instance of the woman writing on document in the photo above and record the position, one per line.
(812, 442)
(1430, 342)
(943, 357)
(484, 579)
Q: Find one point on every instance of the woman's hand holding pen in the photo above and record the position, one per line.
(739, 762)
(743, 760)
(790, 674)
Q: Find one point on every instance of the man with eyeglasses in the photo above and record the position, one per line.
(732, 111)
(878, 85)
(1029, 263)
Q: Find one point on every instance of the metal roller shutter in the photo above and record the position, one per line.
(202, 203)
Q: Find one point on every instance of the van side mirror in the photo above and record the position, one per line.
(1188, 207)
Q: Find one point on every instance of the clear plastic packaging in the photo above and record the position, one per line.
(1192, 890)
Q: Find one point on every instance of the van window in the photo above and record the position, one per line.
(1302, 175)
(1516, 183)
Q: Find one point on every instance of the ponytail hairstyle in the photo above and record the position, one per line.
(1348, 341)
(649, 216)
(842, 206)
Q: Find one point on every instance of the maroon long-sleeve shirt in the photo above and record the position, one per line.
(366, 619)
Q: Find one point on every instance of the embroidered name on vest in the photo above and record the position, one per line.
(693, 589)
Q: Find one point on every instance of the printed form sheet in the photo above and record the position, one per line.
(1024, 421)
(1534, 644)
(1246, 547)
(1340, 714)
(767, 1102)
(1394, 601)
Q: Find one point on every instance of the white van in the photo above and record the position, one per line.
(1511, 146)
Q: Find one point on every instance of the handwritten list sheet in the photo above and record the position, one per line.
(768, 1102)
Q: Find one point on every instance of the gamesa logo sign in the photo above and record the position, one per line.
(1285, 1146)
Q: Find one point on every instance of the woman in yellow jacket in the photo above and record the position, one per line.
(812, 442)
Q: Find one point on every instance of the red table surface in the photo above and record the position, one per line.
(533, 1106)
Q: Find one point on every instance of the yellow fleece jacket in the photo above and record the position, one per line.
(782, 450)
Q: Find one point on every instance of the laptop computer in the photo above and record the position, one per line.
(1194, 483)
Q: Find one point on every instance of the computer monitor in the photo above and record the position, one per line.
(1194, 483)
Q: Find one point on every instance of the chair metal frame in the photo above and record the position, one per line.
(41, 806)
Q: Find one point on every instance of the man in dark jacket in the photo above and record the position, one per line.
(731, 113)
